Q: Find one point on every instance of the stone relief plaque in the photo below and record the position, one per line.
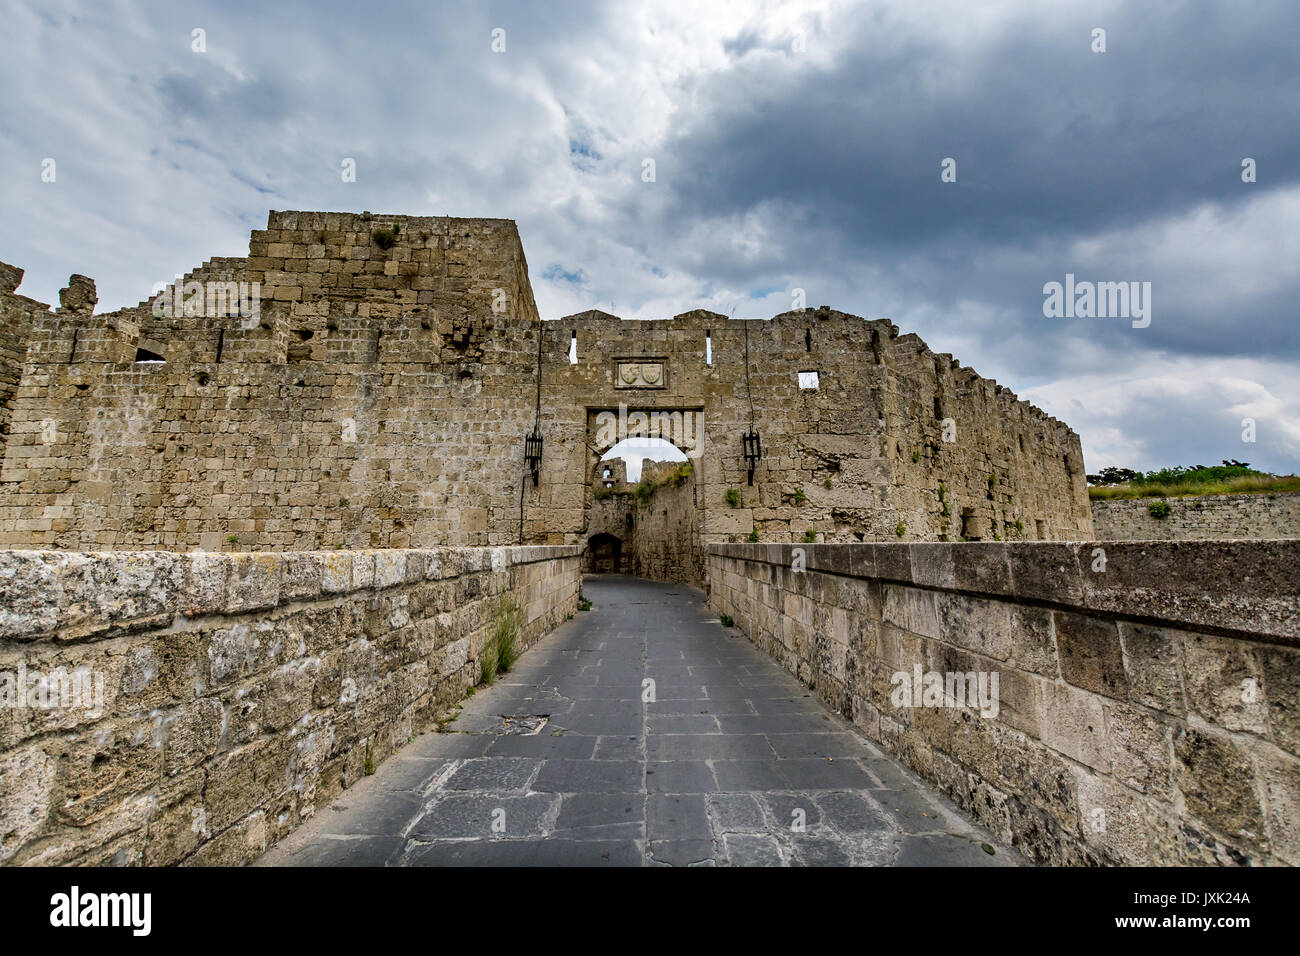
(641, 373)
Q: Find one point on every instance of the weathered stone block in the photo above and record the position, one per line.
(982, 568)
(239, 650)
(1089, 653)
(191, 734)
(1280, 667)
(106, 763)
(1217, 782)
(301, 576)
(1253, 586)
(1045, 571)
(26, 794)
(390, 568)
(1072, 723)
(976, 624)
(176, 825)
(1279, 781)
(336, 571)
(1140, 748)
(934, 565)
(1152, 667)
(254, 582)
(241, 781)
(241, 843)
(32, 583)
(1224, 683)
(152, 672)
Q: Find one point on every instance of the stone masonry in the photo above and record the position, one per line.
(1247, 517)
(654, 520)
(1146, 707)
(210, 703)
(381, 393)
(322, 447)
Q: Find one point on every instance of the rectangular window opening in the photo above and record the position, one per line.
(708, 347)
(809, 380)
(573, 348)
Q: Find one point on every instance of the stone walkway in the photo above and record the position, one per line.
(562, 763)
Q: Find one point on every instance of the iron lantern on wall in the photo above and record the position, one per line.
(533, 453)
(752, 449)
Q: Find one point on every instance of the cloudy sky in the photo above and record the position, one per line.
(794, 146)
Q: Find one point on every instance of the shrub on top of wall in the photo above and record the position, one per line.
(386, 238)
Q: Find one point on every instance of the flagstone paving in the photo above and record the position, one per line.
(562, 762)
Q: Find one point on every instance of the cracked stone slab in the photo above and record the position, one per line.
(484, 816)
(493, 773)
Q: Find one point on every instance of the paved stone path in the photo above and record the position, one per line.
(722, 766)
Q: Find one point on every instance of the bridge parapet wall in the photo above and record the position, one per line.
(195, 708)
(1146, 691)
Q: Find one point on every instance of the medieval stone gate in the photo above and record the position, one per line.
(650, 523)
(384, 397)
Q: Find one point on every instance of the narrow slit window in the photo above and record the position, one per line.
(573, 348)
(809, 380)
(807, 340)
(708, 347)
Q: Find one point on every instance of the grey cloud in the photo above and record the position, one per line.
(775, 169)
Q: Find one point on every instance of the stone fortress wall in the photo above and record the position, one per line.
(17, 313)
(1206, 517)
(382, 396)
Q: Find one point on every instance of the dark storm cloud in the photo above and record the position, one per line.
(796, 146)
(1051, 139)
(1052, 143)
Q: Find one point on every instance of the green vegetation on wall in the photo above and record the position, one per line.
(1231, 477)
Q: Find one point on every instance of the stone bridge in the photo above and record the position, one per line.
(1114, 703)
(292, 512)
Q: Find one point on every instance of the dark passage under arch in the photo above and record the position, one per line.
(604, 554)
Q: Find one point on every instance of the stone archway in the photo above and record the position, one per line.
(653, 512)
(604, 554)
